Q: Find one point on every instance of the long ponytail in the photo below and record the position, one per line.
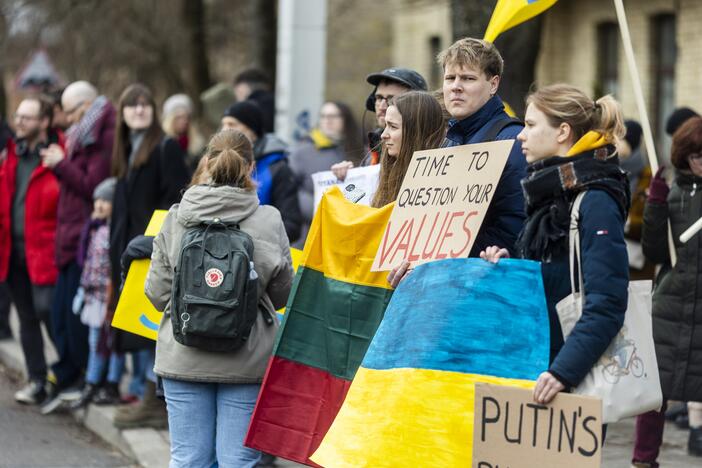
(229, 159)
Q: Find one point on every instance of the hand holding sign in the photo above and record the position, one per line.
(442, 203)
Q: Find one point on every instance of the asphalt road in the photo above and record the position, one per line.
(28, 439)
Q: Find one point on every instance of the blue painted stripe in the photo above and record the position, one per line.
(467, 315)
(146, 321)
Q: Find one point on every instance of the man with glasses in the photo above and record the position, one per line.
(388, 83)
(29, 194)
(79, 168)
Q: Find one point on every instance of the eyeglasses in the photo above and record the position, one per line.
(75, 108)
(23, 118)
(380, 98)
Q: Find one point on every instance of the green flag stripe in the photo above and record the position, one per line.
(329, 324)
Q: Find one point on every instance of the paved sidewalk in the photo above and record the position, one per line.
(150, 448)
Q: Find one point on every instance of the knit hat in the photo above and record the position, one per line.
(677, 118)
(633, 134)
(105, 190)
(177, 102)
(248, 113)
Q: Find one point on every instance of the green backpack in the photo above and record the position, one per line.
(214, 299)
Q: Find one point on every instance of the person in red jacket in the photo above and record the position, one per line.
(79, 168)
(29, 195)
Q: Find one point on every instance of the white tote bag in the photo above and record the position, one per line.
(626, 376)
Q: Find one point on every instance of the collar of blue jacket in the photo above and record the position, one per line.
(463, 132)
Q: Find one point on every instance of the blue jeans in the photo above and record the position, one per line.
(97, 362)
(208, 422)
(139, 365)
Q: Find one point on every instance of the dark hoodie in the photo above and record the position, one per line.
(277, 185)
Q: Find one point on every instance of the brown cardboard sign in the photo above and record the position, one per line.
(512, 431)
(442, 203)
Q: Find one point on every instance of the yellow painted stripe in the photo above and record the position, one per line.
(406, 417)
(344, 238)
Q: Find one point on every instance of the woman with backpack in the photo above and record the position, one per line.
(151, 173)
(211, 369)
(568, 140)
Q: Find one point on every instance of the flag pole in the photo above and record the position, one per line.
(638, 90)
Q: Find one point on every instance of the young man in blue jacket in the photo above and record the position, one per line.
(472, 71)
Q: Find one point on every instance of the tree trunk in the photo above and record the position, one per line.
(194, 23)
(265, 35)
(519, 47)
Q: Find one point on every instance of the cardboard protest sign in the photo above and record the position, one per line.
(442, 203)
(134, 312)
(511, 430)
(363, 178)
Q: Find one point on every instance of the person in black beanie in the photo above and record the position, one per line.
(678, 117)
(276, 182)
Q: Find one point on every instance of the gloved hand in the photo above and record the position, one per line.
(658, 190)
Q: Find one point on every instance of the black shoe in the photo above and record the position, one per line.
(32, 394)
(86, 396)
(682, 421)
(675, 411)
(108, 395)
(694, 442)
(267, 460)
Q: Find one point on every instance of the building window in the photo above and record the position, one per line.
(664, 55)
(607, 59)
(436, 76)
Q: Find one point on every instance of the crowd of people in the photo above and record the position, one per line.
(80, 179)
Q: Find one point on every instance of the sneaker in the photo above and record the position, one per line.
(71, 394)
(32, 394)
(51, 405)
(694, 442)
(108, 395)
(86, 397)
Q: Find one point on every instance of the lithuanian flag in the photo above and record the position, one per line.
(334, 309)
(510, 13)
(450, 324)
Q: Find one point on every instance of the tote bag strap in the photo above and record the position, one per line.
(671, 246)
(574, 244)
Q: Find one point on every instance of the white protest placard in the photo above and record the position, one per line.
(364, 178)
(442, 203)
(511, 430)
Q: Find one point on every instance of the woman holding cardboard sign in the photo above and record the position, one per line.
(414, 122)
(568, 142)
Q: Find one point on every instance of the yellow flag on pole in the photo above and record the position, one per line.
(510, 13)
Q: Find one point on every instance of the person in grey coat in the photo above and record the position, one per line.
(677, 297)
(210, 395)
(336, 138)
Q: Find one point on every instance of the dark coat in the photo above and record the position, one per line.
(156, 185)
(78, 175)
(278, 181)
(677, 298)
(605, 270)
(306, 159)
(505, 216)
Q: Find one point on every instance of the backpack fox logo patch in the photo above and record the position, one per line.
(214, 277)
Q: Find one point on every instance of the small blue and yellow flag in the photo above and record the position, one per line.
(510, 13)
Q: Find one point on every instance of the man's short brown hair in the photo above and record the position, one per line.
(474, 53)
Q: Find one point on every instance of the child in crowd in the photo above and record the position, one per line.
(92, 298)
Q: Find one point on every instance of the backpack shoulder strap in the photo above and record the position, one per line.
(499, 125)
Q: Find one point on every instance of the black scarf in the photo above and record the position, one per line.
(551, 186)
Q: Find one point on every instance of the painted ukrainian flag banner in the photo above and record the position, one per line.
(510, 13)
(333, 312)
(450, 324)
